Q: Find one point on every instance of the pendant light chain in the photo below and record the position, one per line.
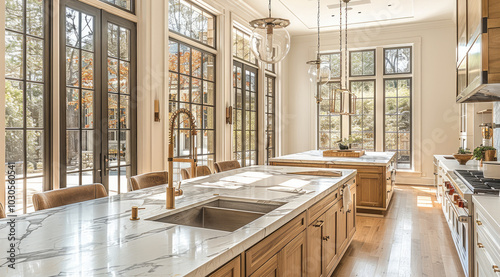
(319, 40)
(340, 42)
(346, 52)
(269, 8)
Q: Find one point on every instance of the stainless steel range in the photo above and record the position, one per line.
(456, 190)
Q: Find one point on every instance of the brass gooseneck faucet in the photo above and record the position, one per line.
(171, 191)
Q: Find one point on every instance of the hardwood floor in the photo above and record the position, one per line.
(413, 239)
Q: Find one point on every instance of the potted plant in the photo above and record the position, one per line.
(345, 144)
(484, 153)
(463, 156)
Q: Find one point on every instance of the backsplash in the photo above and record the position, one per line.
(496, 119)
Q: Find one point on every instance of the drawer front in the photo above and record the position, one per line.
(483, 223)
(260, 253)
(486, 256)
(324, 204)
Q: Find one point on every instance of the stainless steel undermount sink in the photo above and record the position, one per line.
(224, 214)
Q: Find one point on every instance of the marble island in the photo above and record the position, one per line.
(98, 238)
(375, 178)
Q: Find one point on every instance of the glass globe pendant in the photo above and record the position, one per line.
(270, 41)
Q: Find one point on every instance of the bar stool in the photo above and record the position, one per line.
(227, 165)
(147, 180)
(201, 170)
(66, 196)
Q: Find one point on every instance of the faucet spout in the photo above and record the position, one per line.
(172, 192)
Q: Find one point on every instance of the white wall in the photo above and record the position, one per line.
(436, 125)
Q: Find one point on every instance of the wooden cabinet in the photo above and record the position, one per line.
(370, 193)
(231, 269)
(311, 244)
(478, 50)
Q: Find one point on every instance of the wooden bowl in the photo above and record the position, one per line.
(463, 158)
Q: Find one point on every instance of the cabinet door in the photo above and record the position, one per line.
(231, 269)
(370, 190)
(351, 216)
(341, 228)
(292, 259)
(462, 28)
(268, 269)
(330, 251)
(315, 248)
(474, 18)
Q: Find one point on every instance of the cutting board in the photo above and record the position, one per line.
(344, 153)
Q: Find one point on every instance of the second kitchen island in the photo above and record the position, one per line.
(375, 178)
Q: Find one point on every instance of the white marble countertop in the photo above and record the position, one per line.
(97, 238)
(316, 156)
(451, 164)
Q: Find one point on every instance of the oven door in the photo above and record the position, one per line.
(459, 223)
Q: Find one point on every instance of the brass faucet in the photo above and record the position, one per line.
(171, 191)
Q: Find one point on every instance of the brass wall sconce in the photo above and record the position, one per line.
(343, 102)
(157, 110)
(229, 115)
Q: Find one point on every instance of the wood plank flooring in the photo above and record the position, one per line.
(413, 239)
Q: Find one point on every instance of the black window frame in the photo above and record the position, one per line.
(362, 114)
(47, 117)
(318, 117)
(410, 59)
(410, 79)
(193, 39)
(270, 149)
(362, 61)
(132, 6)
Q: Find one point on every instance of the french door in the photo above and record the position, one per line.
(98, 84)
(245, 114)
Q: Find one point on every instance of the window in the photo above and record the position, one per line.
(270, 116)
(270, 67)
(191, 21)
(362, 63)
(363, 122)
(192, 87)
(27, 98)
(397, 120)
(241, 46)
(128, 5)
(329, 125)
(98, 118)
(397, 60)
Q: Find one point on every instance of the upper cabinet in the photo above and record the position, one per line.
(478, 51)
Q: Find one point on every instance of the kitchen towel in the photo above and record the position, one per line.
(347, 198)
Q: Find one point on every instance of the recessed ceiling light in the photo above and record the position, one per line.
(359, 12)
(390, 5)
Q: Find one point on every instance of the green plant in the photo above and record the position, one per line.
(463, 151)
(479, 151)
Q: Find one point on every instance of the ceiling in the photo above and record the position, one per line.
(362, 13)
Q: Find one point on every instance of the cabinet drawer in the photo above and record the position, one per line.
(319, 208)
(231, 269)
(486, 255)
(483, 223)
(260, 253)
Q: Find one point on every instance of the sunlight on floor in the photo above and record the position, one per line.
(425, 189)
(424, 202)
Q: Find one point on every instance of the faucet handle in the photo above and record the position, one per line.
(178, 190)
(135, 213)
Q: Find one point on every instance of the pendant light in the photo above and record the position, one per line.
(343, 101)
(319, 71)
(270, 41)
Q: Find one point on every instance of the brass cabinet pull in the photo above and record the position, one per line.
(319, 223)
(480, 245)
(479, 222)
(495, 269)
(326, 238)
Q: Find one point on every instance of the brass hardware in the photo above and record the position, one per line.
(319, 223)
(171, 191)
(229, 115)
(495, 269)
(157, 110)
(135, 213)
(326, 238)
(348, 211)
(479, 222)
(480, 245)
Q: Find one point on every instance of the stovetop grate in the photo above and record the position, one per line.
(475, 181)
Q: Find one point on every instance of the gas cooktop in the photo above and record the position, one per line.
(474, 179)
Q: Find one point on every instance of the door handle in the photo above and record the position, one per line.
(105, 165)
(319, 223)
(326, 238)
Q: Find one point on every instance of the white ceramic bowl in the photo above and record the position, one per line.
(491, 170)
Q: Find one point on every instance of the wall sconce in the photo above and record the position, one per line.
(343, 102)
(157, 110)
(229, 115)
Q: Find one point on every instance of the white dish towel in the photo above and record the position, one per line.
(347, 198)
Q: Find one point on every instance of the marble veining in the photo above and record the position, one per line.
(97, 238)
(316, 156)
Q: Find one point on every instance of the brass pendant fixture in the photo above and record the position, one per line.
(342, 100)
